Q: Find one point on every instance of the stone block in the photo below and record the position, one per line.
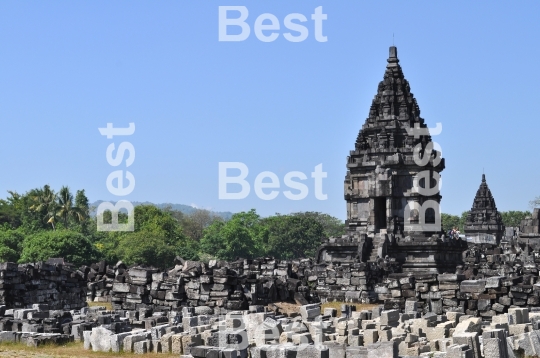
(310, 312)
(411, 306)
(459, 351)
(141, 347)
(454, 316)
(527, 344)
(176, 343)
(389, 318)
(100, 339)
(469, 338)
(494, 348)
(473, 324)
(117, 341)
(130, 340)
(311, 351)
(473, 286)
(301, 338)
(166, 342)
(370, 336)
(494, 343)
(87, 344)
(336, 350)
(518, 315)
(434, 333)
(383, 350)
(517, 329)
(356, 352)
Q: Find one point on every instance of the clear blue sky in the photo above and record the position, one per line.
(67, 68)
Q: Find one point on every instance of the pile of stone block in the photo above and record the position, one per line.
(100, 277)
(484, 287)
(228, 285)
(40, 325)
(55, 283)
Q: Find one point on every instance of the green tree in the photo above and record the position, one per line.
(81, 201)
(193, 224)
(449, 221)
(242, 236)
(22, 207)
(293, 236)
(8, 215)
(157, 239)
(72, 246)
(66, 209)
(332, 226)
(513, 218)
(146, 247)
(45, 204)
(10, 245)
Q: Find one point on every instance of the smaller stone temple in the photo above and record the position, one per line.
(484, 223)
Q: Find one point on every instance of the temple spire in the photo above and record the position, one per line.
(483, 218)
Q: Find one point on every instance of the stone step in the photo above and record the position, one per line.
(373, 254)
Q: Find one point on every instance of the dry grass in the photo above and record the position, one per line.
(292, 309)
(107, 305)
(69, 350)
(337, 306)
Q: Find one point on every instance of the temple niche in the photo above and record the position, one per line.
(391, 187)
(484, 223)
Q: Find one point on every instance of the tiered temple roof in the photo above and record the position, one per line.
(393, 110)
(483, 218)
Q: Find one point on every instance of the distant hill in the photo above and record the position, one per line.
(186, 209)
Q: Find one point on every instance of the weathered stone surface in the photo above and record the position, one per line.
(383, 350)
(100, 339)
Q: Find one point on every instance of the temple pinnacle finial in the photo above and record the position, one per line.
(483, 178)
(392, 57)
(393, 52)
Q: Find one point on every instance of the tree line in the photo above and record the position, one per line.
(43, 223)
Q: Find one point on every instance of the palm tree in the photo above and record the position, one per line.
(66, 207)
(45, 203)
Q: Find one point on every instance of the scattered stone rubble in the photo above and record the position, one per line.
(199, 332)
(488, 307)
(265, 332)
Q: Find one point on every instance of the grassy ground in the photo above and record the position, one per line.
(74, 349)
(107, 305)
(337, 306)
(290, 309)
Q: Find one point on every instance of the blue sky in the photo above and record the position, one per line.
(68, 68)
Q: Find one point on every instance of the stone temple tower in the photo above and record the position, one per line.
(382, 173)
(484, 222)
(391, 188)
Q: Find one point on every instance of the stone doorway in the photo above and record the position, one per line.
(380, 213)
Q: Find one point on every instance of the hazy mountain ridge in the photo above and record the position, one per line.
(186, 209)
